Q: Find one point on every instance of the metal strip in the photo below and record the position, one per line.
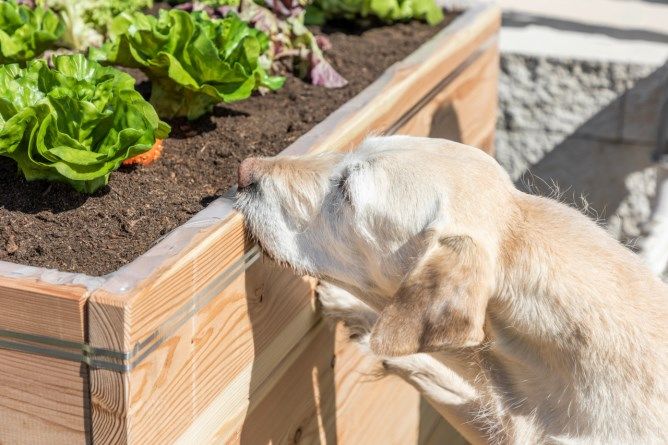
(122, 361)
(38, 350)
(408, 115)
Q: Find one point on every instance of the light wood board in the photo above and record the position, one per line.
(42, 399)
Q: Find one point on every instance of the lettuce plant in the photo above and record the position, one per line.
(26, 32)
(291, 42)
(87, 21)
(193, 61)
(74, 123)
(383, 10)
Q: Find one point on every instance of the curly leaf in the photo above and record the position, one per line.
(290, 42)
(193, 61)
(26, 33)
(87, 21)
(75, 123)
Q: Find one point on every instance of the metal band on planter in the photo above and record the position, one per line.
(126, 361)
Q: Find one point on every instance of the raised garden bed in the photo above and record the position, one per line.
(197, 341)
(51, 225)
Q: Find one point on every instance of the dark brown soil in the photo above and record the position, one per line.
(50, 225)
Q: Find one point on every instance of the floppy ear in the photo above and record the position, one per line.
(440, 304)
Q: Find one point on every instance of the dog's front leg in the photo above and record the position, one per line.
(446, 381)
(451, 393)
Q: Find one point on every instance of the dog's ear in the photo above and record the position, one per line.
(440, 304)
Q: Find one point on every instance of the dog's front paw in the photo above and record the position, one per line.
(340, 305)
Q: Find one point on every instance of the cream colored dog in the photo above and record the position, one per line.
(517, 317)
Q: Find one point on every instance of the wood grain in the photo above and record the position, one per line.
(43, 400)
(49, 310)
(247, 330)
(465, 110)
(326, 392)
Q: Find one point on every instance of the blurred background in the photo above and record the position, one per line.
(584, 111)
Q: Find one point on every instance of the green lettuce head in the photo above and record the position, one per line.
(193, 61)
(75, 123)
(26, 33)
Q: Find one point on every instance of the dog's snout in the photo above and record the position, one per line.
(247, 173)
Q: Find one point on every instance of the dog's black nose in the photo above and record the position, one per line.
(247, 175)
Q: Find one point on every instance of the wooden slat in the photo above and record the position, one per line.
(326, 392)
(378, 411)
(118, 322)
(108, 323)
(465, 110)
(236, 339)
(209, 255)
(43, 400)
(49, 310)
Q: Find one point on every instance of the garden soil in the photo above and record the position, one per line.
(53, 226)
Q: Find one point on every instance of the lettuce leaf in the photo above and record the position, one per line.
(87, 21)
(384, 10)
(75, 123)
(292, 44)
(25, 33)
(193, 61)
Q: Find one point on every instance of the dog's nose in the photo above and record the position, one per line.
(246, 175)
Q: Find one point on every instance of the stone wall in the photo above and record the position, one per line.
(589, 128)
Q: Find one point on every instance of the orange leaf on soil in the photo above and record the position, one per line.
(146, 158)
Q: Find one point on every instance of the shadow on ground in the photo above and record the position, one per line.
(608, 164)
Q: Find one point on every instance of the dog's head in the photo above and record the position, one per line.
(411, 225)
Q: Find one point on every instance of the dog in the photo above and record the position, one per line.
(518, 318)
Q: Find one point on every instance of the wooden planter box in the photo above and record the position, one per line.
(201, 340)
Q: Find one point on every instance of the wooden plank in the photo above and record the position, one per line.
(292, 405)
(108, 389)
(367, 405)
(465, 110)
(118, 322)
(241, 336)
(42, 400)
(44, 309)
(243, 333)
(326, 391)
